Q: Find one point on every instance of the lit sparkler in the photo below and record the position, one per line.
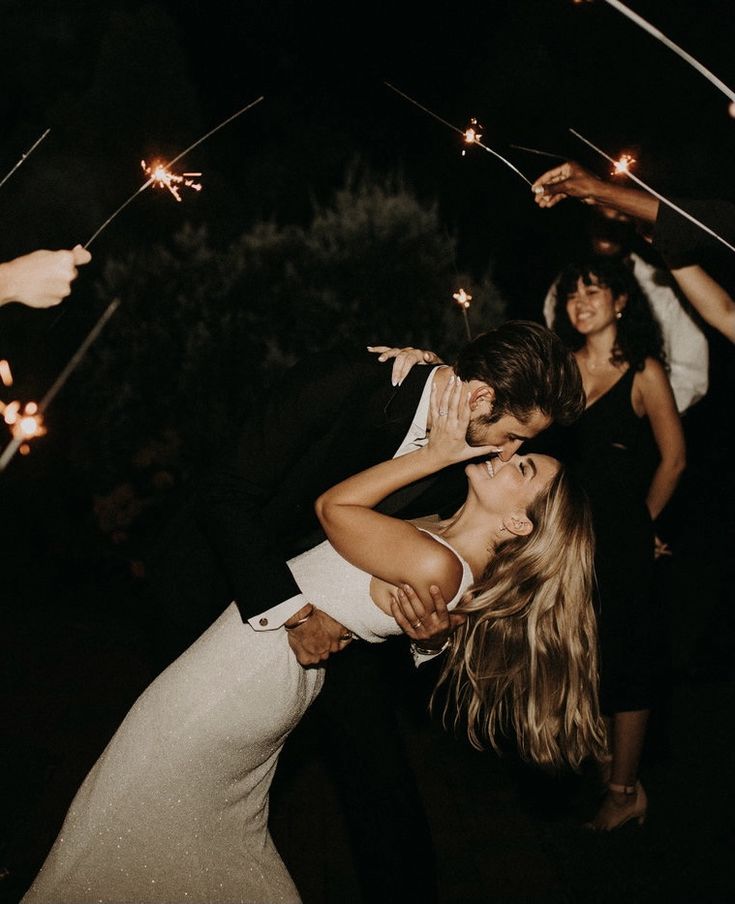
(24, 424)
(29, 424)
(472, 134)
(463, 300)
(687, 57)
(25, 156)
(622, 165)
(164, 178)
(661, 198)
(164, 169)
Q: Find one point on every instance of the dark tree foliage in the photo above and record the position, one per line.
(201, 328)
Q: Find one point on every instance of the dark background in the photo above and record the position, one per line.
(125, 80)
(122, 80)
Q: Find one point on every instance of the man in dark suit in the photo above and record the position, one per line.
(331, 416)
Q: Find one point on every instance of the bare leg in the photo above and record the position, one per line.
(625, 798)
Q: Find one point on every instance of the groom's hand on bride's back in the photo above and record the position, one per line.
(315, 639)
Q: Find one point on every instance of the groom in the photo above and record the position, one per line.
(332, 415)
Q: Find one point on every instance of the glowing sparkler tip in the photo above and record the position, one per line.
(26, 424)
(462, 298)
(473, 132)
(162, 177)
(623, 165)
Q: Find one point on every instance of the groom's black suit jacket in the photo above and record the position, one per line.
(332, 415)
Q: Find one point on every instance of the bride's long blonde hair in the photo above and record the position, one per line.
(525, 660)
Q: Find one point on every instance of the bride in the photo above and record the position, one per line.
(176, 807)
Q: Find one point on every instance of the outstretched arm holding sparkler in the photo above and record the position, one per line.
(570, 180)
(41, 279)
(680, 241)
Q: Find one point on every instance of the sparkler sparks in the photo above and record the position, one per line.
(622, 165)
(29, 424)
(25, 156)
(662, 198)
(667, 42)
(471, 135)
(164, 178)
(167, 178)
(5, 373)
(26, 424)
(463, 300)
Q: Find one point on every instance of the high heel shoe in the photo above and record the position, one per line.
(614, 813)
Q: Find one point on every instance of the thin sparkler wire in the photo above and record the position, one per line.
(662, 198)
(422, 107)
(27, 154)
(500, 157)
(15, 443)
(78, 355)
(520, 147)
(687, 57)
(458, 130)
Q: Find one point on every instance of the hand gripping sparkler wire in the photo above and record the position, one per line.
(623, 166)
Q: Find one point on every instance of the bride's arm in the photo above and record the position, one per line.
(387, 547)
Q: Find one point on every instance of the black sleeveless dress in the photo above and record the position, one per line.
(613, 452)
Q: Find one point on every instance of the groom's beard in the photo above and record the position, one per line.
(477, 430)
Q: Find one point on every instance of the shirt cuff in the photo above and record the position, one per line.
(278, 615)
(420, 655)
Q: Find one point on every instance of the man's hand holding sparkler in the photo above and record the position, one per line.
(41, 279)
(571, 180)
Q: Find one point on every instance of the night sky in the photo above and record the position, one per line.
(120, 80)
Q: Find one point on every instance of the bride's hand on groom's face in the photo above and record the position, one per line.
(449, 409)
(314, 641)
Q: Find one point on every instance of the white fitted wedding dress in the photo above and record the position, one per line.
(176, 808)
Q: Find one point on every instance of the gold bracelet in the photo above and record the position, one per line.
(301, 620)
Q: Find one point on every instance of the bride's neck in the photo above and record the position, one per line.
(470, 535)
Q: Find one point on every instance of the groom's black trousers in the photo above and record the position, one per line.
(357, 717)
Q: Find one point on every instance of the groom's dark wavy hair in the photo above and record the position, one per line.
(529, 368)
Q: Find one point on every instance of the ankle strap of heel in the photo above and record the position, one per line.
(628, 790)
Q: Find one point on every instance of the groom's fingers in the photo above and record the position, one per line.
(314, 640)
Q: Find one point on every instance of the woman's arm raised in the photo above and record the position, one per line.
(387, 547)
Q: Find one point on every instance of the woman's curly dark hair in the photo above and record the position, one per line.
(638, 332)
